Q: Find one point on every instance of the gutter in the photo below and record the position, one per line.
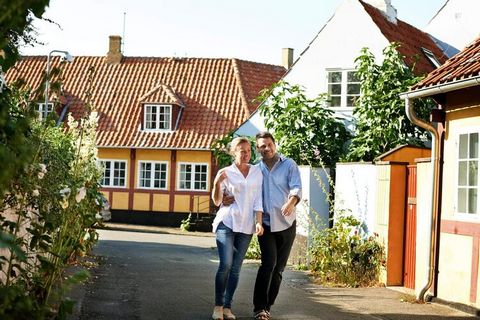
(436, 156)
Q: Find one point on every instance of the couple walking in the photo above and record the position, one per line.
(256, 199)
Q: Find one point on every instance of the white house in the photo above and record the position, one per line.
(328, 62)
(456, 24)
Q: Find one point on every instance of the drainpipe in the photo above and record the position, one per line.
(435, 187)
(408, 97)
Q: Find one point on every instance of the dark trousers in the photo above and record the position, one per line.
(275, 248)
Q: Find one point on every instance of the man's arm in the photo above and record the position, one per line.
(295, 186)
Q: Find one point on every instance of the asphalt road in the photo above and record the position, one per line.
(167, 276)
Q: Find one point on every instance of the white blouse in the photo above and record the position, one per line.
(240, 215)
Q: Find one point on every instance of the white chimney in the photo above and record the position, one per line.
(386, 7)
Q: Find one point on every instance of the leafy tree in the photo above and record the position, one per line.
(15, 110)
(380, 120)
(304, 128)
(16, 28)
(221, 148)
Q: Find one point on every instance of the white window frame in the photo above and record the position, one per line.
(157, 121)
(112, 173)
(194, 164)
(466, 215)
(343, 86)
(42, 111)
(152, 174)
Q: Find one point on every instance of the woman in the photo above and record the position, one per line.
(235, 224)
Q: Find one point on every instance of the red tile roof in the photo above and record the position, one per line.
(217, 95)
(463, 65)
(410, 38)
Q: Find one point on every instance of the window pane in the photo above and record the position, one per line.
(463, 146)
(352, 77)
(351, 100)
(473, 173)
(472, 200)
(462, 200)
(334, 89)
(462, 173)
(335, 77)
(474, 145)
(335, 101)
(353, 88)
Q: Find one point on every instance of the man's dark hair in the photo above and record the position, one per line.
(264, 135)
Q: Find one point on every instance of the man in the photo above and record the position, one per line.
(281, 191)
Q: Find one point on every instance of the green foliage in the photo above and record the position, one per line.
(220, 149)
(50, 202)
(253, 251)
(380, 120)
(344, 255)
(16, 26)
(304, 128)
(185, 223)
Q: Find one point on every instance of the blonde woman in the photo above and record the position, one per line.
(235, 224)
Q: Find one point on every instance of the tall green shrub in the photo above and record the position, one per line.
(379, 115)
(305, 129)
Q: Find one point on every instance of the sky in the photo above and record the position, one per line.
(254, 30)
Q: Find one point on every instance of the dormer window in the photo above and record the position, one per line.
(43, 111)
(158, 117)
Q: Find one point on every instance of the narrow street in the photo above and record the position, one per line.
(166, 276)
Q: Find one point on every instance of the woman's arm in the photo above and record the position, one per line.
(217, 192)
(258, 223)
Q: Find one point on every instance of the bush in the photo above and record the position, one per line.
(253, 251)
(343, 255)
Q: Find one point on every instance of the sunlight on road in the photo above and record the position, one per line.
(186, 240)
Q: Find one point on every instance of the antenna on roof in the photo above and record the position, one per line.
(123, 35)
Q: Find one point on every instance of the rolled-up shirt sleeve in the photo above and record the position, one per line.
(295, 182)
(258, 201)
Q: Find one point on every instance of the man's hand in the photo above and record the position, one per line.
(228, 200)
(258, 229)
(289, 206)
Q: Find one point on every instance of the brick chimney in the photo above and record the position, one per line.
(386, 7)
(114, 55)
(287, 57)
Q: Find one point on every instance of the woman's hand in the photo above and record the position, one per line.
(222, 175)
(258, 229)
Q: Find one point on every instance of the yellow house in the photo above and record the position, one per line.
(451, 262)
(158, 120)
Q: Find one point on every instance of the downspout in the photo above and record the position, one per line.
(435, 196)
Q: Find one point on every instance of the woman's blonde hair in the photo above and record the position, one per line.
(235, 142)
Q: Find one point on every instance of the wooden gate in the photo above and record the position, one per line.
(410, 228)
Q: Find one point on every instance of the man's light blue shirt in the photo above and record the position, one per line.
(280, 183)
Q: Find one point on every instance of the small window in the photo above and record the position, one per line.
(343, 87)
(114, 173)
(468, 174)
(157, 117)
(43, 111)
(152, 175)
(193, 176)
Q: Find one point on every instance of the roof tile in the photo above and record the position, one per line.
(411, 40)
(217, 95)
(463, 65)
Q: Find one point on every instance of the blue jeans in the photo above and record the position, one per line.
(232, 247)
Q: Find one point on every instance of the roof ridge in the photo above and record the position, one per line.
(236, 73)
